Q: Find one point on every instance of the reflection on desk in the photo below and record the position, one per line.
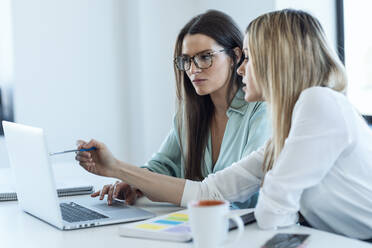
(18, 229)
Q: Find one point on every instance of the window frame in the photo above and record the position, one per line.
(340, 32)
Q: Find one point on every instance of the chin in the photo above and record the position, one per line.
(201, 92)
(246, 98)
(249, 98)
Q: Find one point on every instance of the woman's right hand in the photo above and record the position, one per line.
(119, 190)
(99, 161)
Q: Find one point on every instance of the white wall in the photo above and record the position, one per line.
(324, 10)
(103, 69)
(67, 72)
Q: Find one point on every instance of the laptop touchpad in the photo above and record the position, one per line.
(113, 207)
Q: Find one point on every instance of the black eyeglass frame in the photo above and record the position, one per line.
(211, 53)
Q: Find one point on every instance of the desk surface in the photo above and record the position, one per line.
(18, 229)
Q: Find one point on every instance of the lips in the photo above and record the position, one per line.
(198, 81)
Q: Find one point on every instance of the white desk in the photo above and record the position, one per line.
(18, 229)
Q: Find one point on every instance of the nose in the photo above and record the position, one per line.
(240, 69)
(193, 68)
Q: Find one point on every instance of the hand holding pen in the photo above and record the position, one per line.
(99, 161)
(74, 150)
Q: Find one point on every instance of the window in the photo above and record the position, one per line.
(6, 63)
(355, 44)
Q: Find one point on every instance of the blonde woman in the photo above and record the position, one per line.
(319, 160)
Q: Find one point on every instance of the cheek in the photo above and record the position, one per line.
(219, 73)
(222, 68)
(249, 73)
(252, 92)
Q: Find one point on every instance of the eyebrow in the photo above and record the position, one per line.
(206, 50)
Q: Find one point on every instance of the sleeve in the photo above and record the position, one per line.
(317, 137)
(167, 160)
(259, 129)
(237, 182)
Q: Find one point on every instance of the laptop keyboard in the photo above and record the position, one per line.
(72, 212)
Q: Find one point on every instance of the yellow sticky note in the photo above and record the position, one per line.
(178, 217)
(151, 226)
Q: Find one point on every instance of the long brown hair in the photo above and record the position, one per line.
(289, 53)
(195, 112)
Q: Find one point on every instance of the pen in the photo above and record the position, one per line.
(75, 150)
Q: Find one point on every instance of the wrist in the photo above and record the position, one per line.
(115, 171)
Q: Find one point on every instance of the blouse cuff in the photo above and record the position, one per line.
(271, 217)
(190, 192)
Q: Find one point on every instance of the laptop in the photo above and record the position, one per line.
(36, 188)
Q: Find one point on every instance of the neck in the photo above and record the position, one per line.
(220, 99)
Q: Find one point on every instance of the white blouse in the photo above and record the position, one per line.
(324, 171)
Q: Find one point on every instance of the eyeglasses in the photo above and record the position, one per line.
(201, 60)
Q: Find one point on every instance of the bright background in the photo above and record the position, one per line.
(85, 69)
(358, 53)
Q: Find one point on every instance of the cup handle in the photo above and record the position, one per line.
(238, 220)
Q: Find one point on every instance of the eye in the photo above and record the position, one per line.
(206, 56)
(246, 58)
(184, 58)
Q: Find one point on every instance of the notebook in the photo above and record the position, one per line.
(172, 227)
(7, 192)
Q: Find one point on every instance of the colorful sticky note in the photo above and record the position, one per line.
(168, 222)
(151, 226)
(177, 218)
(179, 229)
(180, 215)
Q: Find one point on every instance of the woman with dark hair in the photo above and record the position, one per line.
(213, 126)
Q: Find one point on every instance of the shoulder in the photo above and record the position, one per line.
(318, 100)
(256, 108)
(320, 107)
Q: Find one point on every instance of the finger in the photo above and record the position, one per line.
(82, 164)
(98, 145)
(90, 167)
(109, 195)
(116, 189)
(139, 193)
(120, 190)
(79, 143)
(84, 154)
(83, 159)
(95, 194)
(104, 191)
(131, 197)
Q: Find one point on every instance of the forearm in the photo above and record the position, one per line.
(156, 187)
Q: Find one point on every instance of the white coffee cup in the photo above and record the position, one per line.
(209, 223)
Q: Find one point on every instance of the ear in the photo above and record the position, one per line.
(238, 53)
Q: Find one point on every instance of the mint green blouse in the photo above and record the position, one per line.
(247, 129)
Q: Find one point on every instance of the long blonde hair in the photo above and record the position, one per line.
(289, 53)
